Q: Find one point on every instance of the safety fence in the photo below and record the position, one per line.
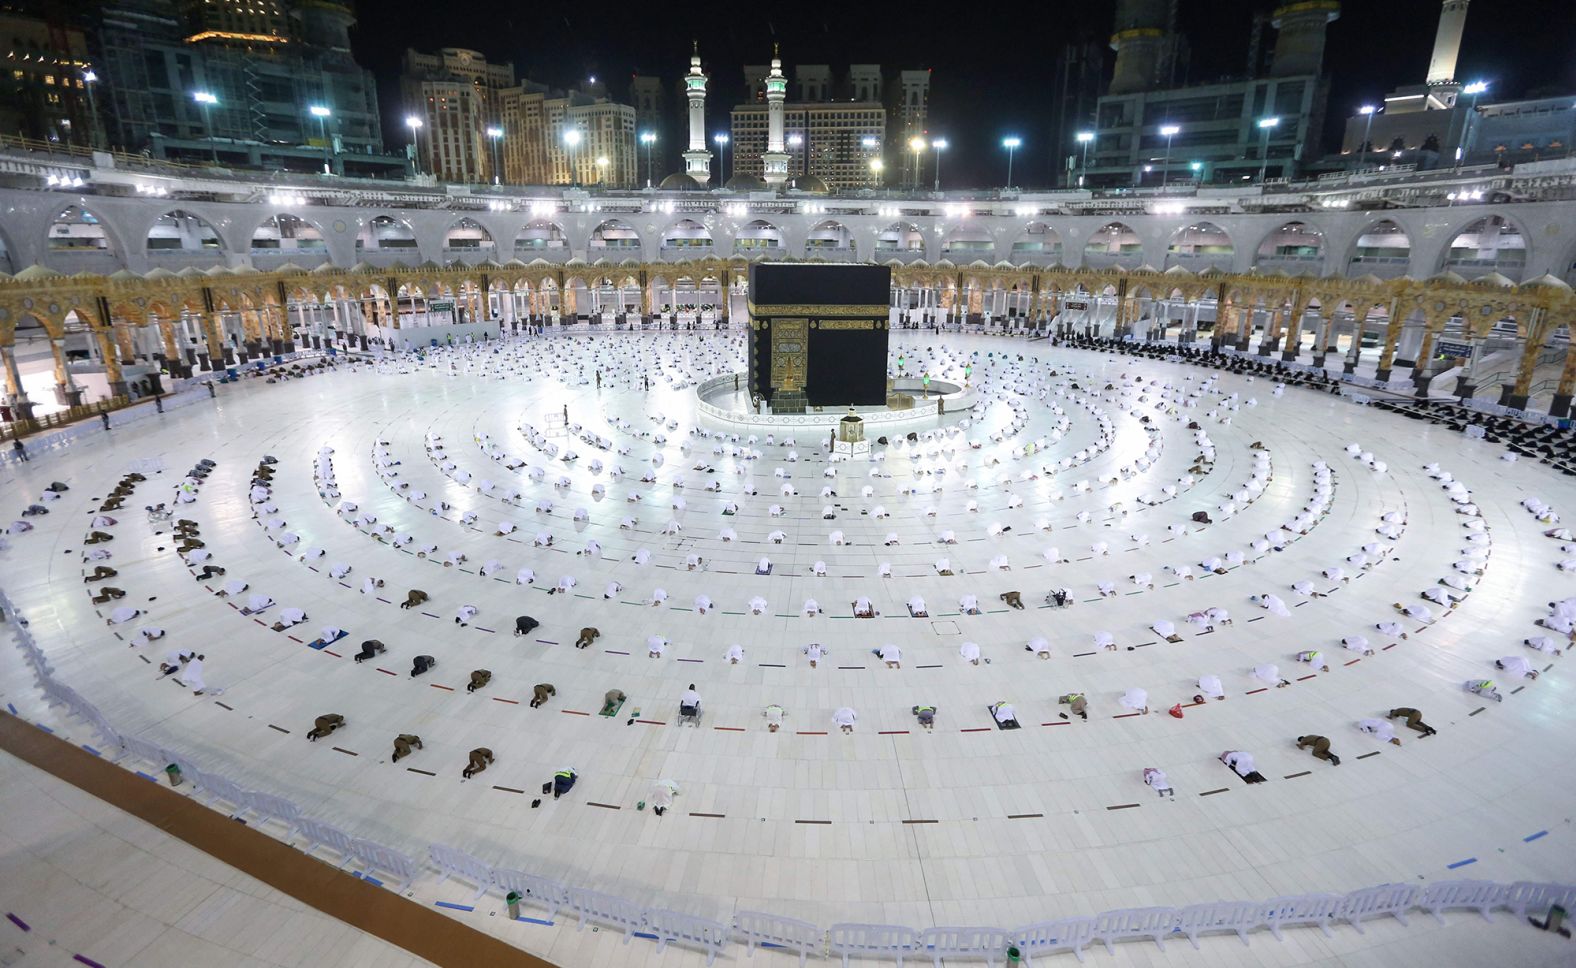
(380, 864)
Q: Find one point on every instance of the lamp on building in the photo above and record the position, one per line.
(722, 143)
(796, 141)
(876, 166)
(1266, 125)
(1012, 143)
(1469, 130)
(323, 114)
(1368, 111)
(495, 134)
(207, 100)
(1084, 138)
(938, 145)
(572, 141)
(601, 169)
(648, 138)
(1169, 131)
(414, 124)
(918, 145)
(91, 79)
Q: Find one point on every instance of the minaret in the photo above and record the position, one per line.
(697, 160)
(1140, 34)
(774, 161)
(1447, 42)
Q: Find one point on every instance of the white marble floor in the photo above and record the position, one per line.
(892, 824)
(79, 877)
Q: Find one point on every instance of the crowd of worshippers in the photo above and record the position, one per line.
(1447, 592)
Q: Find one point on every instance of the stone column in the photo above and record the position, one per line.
(117, 383)
(15, 398)
(1387, 356)
(67, 393)
(1561, 407)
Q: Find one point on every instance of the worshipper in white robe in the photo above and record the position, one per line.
(1421, 613)
(1271, 603)
(916, 607)
(463, 616)
(1516, 665)
(845, 718)
(815, 651)
(1137, 700)
(1040, 646)
(1209, 687)
(1382, 729)
(192, 676)
(1269, 673)
(1358, 644)
(123, 614)
(1166, 629)
(1314, 658)
(735, 654)
(812, 608)
(1157, 781)
(147, 634)
(702, 603)
(1391, 628)
(1243, 765)
(970, 651)
(1543, 644)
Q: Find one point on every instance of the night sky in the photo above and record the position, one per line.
(991, 73)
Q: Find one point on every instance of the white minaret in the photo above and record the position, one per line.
(697, 160)
(774, 162)
(1447, 42)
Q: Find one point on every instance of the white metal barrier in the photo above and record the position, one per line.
(1310, 909)
(541, 891)
(1376, 902)
(1524, 896)
(451, 862)
(606, 909)
(680, 928)
(1480, 896)
(872, 941)
(376, 857)
(319, 834)
(964, 942)
(1237, 916)
(755, 928)
(1050, 937)
(1153, 923)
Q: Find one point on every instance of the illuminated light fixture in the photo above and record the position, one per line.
(230, 35)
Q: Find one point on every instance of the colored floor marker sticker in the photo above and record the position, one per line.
(454, 907)
(893, 732)
(714, 816)
(604, 806)
(1293, 776)
(803, 732)
(534, 921)
(86, 961)
(573, 712)
(1254, 692)
(1531, 837)
(508, 789)
(412, 769)
(1025, 816)
(339, 749)
(17, 921)
(1123, 806)
(1374, 753)
(444, 688)
(1461, 863)
(91, 749)
(1477, 710)
(729, 729)
(512, 702)
(279, 728)
(223, 706)
(1306, 677)
(823, 823)
(1210, 793)
(387, 672)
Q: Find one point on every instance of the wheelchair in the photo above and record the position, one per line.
(689, 715)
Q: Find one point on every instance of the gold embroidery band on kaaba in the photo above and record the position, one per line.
(817, 309)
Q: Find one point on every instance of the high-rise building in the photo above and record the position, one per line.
(1076, 88)
(1227, 130)
(263, 64)
(44, 91)
(535, 151)
(650, 101)
(835, 141)
(1415, 115)
(456, 93)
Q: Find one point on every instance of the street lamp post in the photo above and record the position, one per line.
(601, 169)
(1169, 131)
(495, 134)
(1266, 125)
(939, 145)
(1084, 137)
(414, 124)
(90, 79)
(572, 141)
(322, 114)
(1012, 144)
(722, 144)
(917, 145)
(207, 100)
(648, 138)
(1368, 111)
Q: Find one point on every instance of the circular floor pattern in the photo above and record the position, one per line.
(542, 477)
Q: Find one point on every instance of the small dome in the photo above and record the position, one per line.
(679, 182)
(746, 183)
(811, 184)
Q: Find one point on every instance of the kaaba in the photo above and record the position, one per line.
(818, 334)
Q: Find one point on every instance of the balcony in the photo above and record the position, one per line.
(267, 260)
(1127, 259)
(685, 251)
(75, 259)
(904, 256)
